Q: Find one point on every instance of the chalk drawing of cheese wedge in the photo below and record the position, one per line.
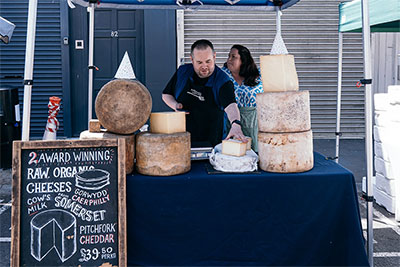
(53, 229)
(93, 179)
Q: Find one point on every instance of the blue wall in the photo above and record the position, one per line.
(160, 52)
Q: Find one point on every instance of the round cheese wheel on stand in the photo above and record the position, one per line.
(286, 152)
(283, 112)
(123, 106)
(129, 145)
(162, 154)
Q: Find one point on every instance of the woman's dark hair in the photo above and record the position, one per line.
(248, 69)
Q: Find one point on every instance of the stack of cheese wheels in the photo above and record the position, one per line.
(122, 107)
(165, 150)
(129, 144)
(285, 136)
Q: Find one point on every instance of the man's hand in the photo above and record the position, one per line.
(171, 102)
(236, 133)
(178, 106)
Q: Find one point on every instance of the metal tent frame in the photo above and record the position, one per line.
(354, 16)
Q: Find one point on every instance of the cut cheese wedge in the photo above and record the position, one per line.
(167, 122)
(278, 73)
(234, 147)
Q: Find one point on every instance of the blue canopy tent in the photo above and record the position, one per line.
(366, 16)
(267, 5)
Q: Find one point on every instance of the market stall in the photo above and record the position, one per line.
(302, 248)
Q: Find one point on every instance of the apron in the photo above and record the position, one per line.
(248, 118)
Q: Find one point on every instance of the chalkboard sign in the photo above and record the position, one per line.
(69, 203)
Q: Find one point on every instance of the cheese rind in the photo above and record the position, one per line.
(283, 112)
(129, 144)
(162, 154)
(123, 106)
(94, 126)
(234, 147)
(278, 73)
(286, 152)
(168, 122)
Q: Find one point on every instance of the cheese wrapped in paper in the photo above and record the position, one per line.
(227, 163)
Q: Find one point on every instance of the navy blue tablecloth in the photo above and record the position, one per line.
(309, 218)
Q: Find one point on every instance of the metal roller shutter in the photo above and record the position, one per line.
(47, 72)
(310, 32)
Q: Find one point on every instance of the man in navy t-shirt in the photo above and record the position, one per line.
(206, 93)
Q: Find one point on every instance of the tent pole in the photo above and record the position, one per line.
(28, 73)
(91, 54)
(339, 94)
(368, 125)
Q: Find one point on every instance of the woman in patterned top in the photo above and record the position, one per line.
(245, 76)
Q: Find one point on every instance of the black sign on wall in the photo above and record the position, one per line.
(69, 203)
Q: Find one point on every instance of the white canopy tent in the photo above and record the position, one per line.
(365, 16)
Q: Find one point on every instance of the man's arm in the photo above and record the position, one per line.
(233, 113)
(171, 102)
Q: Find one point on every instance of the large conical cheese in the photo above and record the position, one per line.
(282, 112)
(286, 152)
(278, 73)
(162, 154)
(125, 69)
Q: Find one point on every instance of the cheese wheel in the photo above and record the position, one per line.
(123, 106)
(283, 112)
(278, 73)
(286, 152)
(129, 145)
(162, 154)
(54, 228)
(168, 122)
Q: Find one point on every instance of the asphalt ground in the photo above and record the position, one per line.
(352, 156)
